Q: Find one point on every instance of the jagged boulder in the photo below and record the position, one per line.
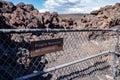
(6, 7)
(105, 17)
(26, 16)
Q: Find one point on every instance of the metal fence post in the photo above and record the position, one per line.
(115, 59)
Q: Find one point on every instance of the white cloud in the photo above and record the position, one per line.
(86, 1)
(43, 10)
(73, 0)
(95, 8)
(50, 4)
(62, 1)
(62, 6)
(76, 6)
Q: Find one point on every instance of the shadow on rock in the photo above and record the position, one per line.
(15, 60)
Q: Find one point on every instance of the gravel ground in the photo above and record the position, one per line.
(78, 47)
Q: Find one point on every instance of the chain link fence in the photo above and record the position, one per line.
(86, 54)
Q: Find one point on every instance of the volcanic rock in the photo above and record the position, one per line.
(6, 7)
(105, 17)
(26, 16)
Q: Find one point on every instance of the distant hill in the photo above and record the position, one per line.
(76, 17)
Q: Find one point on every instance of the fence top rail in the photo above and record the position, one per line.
(52, 30)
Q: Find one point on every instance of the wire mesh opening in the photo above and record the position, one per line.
(16, 61)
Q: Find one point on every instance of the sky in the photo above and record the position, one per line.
(67, 6)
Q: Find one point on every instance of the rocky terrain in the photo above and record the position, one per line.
(26, 16)
(15, 48)
(105, 17)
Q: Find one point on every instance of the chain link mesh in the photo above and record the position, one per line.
(95, 69)
(15, 59)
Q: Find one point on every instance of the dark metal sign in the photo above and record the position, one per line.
(39, 48)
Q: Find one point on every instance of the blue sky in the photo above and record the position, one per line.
(39, 4)
(67, 6)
